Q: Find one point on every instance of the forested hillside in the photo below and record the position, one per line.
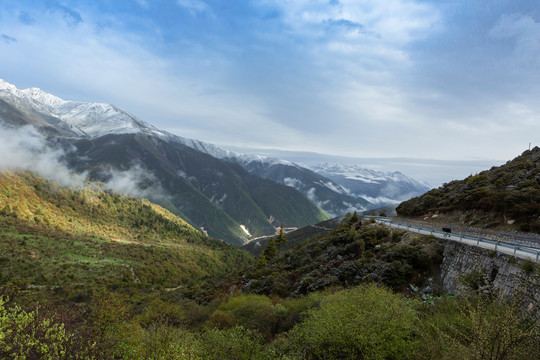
(87, 274)
(502, 196)
(55, 236)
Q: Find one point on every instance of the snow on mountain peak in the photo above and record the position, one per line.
(44, 98)
(358, 173)
(7, 87)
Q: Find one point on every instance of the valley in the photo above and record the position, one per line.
(122, 241)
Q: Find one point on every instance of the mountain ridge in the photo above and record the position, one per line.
(91, 133)
(503, 196)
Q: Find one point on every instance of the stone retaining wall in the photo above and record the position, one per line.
(505, 273)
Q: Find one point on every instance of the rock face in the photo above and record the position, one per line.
(509, 276)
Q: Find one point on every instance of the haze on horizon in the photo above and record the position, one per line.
(444, 80)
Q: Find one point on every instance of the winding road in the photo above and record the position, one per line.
(516, 250)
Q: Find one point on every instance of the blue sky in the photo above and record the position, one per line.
(455, 80)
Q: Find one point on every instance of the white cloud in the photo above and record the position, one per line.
(524, 30)
(194, 6)
(135, 181)
(26, 149)
(364, 23)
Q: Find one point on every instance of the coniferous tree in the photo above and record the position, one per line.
(270, 252)
(281, 239)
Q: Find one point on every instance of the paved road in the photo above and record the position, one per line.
(516, 250)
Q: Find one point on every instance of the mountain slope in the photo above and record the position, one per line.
(504, 195)
(52, 235)
(109, 143)
(213, 194)
(378, 187)
(353, 253)
(334, 199)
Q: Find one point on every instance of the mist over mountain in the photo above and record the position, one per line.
(229, 195)
(380, 188)
(103, 142)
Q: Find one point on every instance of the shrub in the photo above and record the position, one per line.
(478, 328)
(236, 343)
(366, 322)
(255, 312)
(24, 335)
(528, 266)
(163, 342)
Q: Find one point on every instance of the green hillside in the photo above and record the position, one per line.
(55, 236)
(211, 193)
(502, 196)
(352, 254)
(86, 274)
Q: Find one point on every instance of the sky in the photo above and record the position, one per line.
(445, 80)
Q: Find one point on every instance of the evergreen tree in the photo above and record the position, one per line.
(270, 252)
(353, 219)
(281, 239)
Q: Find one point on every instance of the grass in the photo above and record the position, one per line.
(91, 237)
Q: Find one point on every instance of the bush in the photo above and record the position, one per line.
(24, 335)
(528, 266)
(366, 322)
(236, 343)
(255, 312)
(477, 328)
(163, 342)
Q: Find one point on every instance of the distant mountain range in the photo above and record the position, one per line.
(230, 196)
(379, 188)
(111, 145)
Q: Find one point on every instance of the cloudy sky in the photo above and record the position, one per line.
(445, 79)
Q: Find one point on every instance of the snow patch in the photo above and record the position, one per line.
(292, 182)
(243, 227)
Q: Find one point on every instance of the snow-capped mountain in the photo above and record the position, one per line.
(93, 120)
(106, 143)
(335, 189)
(378, 187)
(333, 198)
(82, 118)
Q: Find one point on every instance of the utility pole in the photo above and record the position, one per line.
(529, 146)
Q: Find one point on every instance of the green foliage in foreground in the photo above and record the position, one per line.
(365, 322)
(24, 335)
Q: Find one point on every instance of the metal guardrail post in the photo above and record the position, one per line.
(537, 255)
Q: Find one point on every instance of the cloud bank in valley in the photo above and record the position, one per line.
(25, 148)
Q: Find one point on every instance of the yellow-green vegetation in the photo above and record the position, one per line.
(102, 276)
(52, 235)
(507, 192)
(90, 211)
(478, 327)
(364, 322)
